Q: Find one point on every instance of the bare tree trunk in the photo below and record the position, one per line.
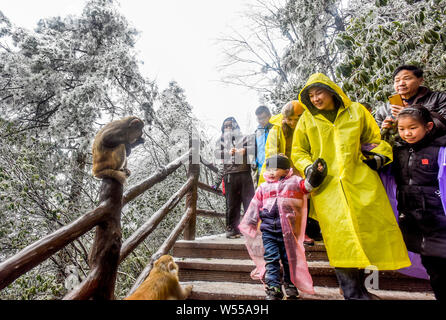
(67, 255)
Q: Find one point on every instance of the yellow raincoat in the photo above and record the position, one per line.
(351, 205)
(275, 143)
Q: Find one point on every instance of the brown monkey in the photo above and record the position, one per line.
(162, 283)
(113, 144)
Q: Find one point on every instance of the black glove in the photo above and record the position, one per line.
(316, 173)
(375, 163)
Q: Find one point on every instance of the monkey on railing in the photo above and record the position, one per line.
(112, 145)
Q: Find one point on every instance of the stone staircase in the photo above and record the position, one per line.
(219, 269)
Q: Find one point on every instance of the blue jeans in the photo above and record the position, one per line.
(274, 254)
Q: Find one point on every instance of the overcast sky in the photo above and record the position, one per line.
(177, 42)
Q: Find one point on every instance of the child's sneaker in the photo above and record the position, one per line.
(274, 293)
(291, 291)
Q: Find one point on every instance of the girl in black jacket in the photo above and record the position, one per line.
(422, 218)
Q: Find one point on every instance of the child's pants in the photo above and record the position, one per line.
(275, 253)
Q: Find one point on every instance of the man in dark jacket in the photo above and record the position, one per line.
(232, 150)
(407, 80)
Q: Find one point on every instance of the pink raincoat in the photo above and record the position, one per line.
(292, 204)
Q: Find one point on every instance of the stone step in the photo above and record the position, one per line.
(238, 270)
(206, 290)
(221, 247)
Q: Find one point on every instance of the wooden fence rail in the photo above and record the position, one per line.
(107, 252)
(144, 230)
(165, 248)
(39, 251)
(159, 176)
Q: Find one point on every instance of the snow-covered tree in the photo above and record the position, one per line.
(59, 83)
(384, 34)
(287, 41)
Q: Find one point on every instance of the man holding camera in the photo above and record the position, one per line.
(407, 81)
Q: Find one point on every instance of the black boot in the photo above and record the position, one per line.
(351, 281)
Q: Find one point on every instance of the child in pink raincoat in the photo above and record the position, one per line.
(280, 206)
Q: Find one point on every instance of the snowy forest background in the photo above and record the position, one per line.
(70, 75)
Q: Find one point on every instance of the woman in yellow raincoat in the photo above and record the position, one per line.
(281, 134)
(357, 222)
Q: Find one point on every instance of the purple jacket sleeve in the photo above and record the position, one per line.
(416, 270)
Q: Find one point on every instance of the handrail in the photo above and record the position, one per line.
(165, 247)
(211, 213)
(42, 249)
(159, 176)
(107, 252)
(204, 186)
(208, 164)
(143, 231)
(87, 289)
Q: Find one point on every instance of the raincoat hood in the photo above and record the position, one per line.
(275, 143)
(321, 80)
(276, 120)
(235, 125)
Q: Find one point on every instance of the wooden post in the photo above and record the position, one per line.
(104, 254)
(192, 195)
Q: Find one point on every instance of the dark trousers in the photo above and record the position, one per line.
(351, 281)
(274, 254)
(436, 268)
(239, 189)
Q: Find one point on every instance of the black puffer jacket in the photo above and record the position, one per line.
(433, 100)
(421, 216)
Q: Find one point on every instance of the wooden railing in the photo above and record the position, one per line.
(108, 251)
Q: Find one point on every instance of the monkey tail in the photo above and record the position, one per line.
(120, 176)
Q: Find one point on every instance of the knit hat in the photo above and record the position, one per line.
(292, 107)
(277, 162)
